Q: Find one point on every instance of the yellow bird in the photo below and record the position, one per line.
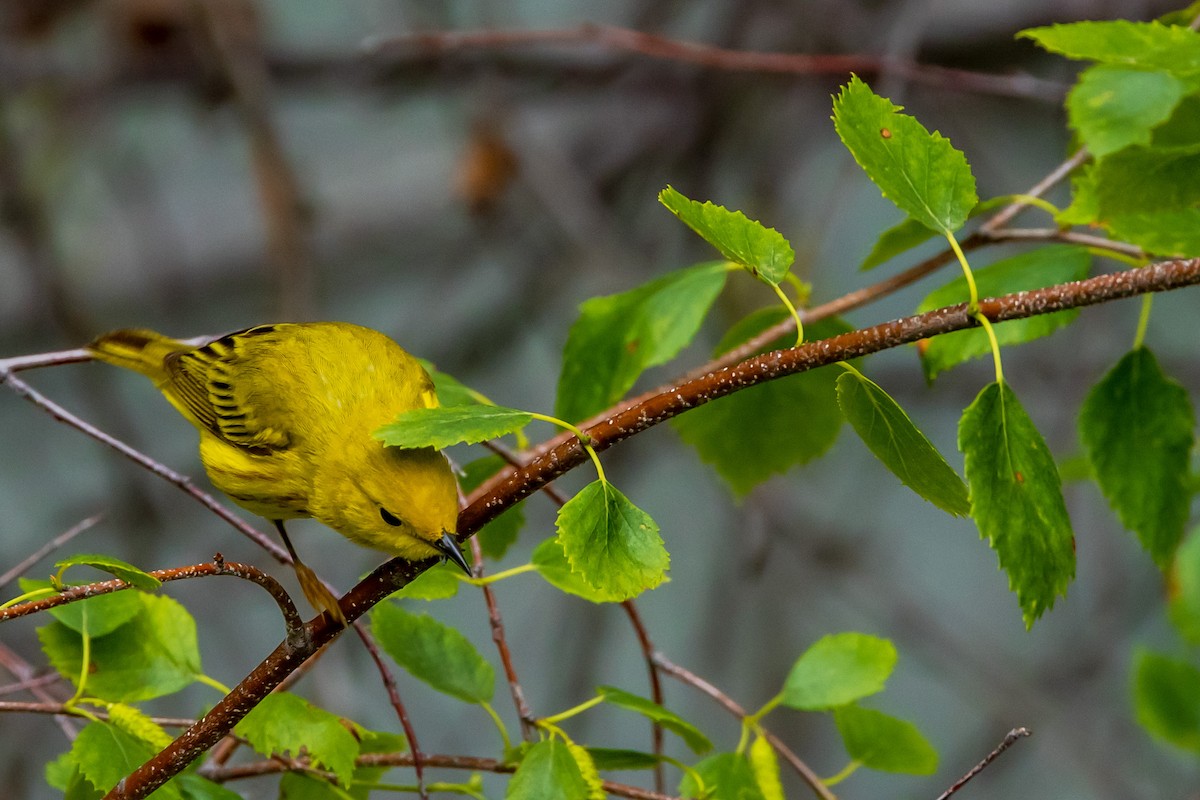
(285, 414)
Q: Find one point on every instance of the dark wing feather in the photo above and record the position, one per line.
(205, 381)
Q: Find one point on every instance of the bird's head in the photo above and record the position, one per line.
(398, 501)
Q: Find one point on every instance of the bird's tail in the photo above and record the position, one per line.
(138, 349)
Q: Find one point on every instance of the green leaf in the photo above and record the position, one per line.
(102, 614)
(450, 390)
(154, 654)
(1113, 107)
(610, 542)
(919, 171)
(286, 724)
(899, 238)
(691, 735)
(725, 776)
(1184, 604)
(131, 720)
(1164, 233)
(906, 235)
(1166, 696)
(434, 653)
(838, 669)
(548, 770)
(441, 427)
(1141, 179)
(891, 435)
(1149, 45)
(1136, 429)
(501, 532)
(607, 759)
(551, 563)
(885, 743)
(436, 583)
(619, 336)
(765, 765)
(137, 578)
(1036, 269)
(748, 243)
(1016, 498)
(587, 771)
(765, 430)
(105, 754)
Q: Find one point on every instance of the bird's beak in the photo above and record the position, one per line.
(450, 549)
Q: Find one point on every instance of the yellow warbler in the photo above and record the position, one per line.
(285, 414)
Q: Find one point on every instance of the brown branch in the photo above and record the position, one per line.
(1010, 739)
(393, 693)
(511, 484)
(8, 368)
(62, 708)
(496, 623)
(696, 682)
(425, 46)
(218, 566)
(472, 763)
(23, 671)
(656, 692)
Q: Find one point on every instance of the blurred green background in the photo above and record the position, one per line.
(199, 168)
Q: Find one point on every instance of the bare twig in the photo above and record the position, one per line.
(656, 692)
(472, 763)
(23, 671)
(218, 566)
(429, 45)
(524, 713)
(49, 547)
(62, 708)
(1009, 740)
(393, 693)
(696, 682)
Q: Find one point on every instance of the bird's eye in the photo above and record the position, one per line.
(390, 518)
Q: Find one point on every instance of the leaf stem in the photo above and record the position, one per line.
(499, 723)
(973, 301)
(583, 438)
(499, 576)
(791, 310)
(986, 324)
(845, 772)
(1139, 338)
(570, 712)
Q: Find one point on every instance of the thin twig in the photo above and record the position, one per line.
(428, 45)
(8, 376)
(471, 763)
(9, 706)
(496, 623)
(656, 692)
(24, 672)
(218, 566)
(29, 684)
(393, 693)
(1009, 740)
(49, 547)
(690, 678)
(1052, 179)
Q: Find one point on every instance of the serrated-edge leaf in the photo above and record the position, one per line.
(1149, 45)
(921, 172)
(285, 723)
(138, 578)
(1112, 107)
(551, 563)
(548, 770)
(441, 427)
(838, 669)
(762, 251)
(610, 542)
(1136, 426)
(1016, 498)
(726, 776)
(434, 653)
(105, 754)
(883, 742)
(691, 735)
(890, 434)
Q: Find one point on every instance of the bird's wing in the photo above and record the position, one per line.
(205, 380)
